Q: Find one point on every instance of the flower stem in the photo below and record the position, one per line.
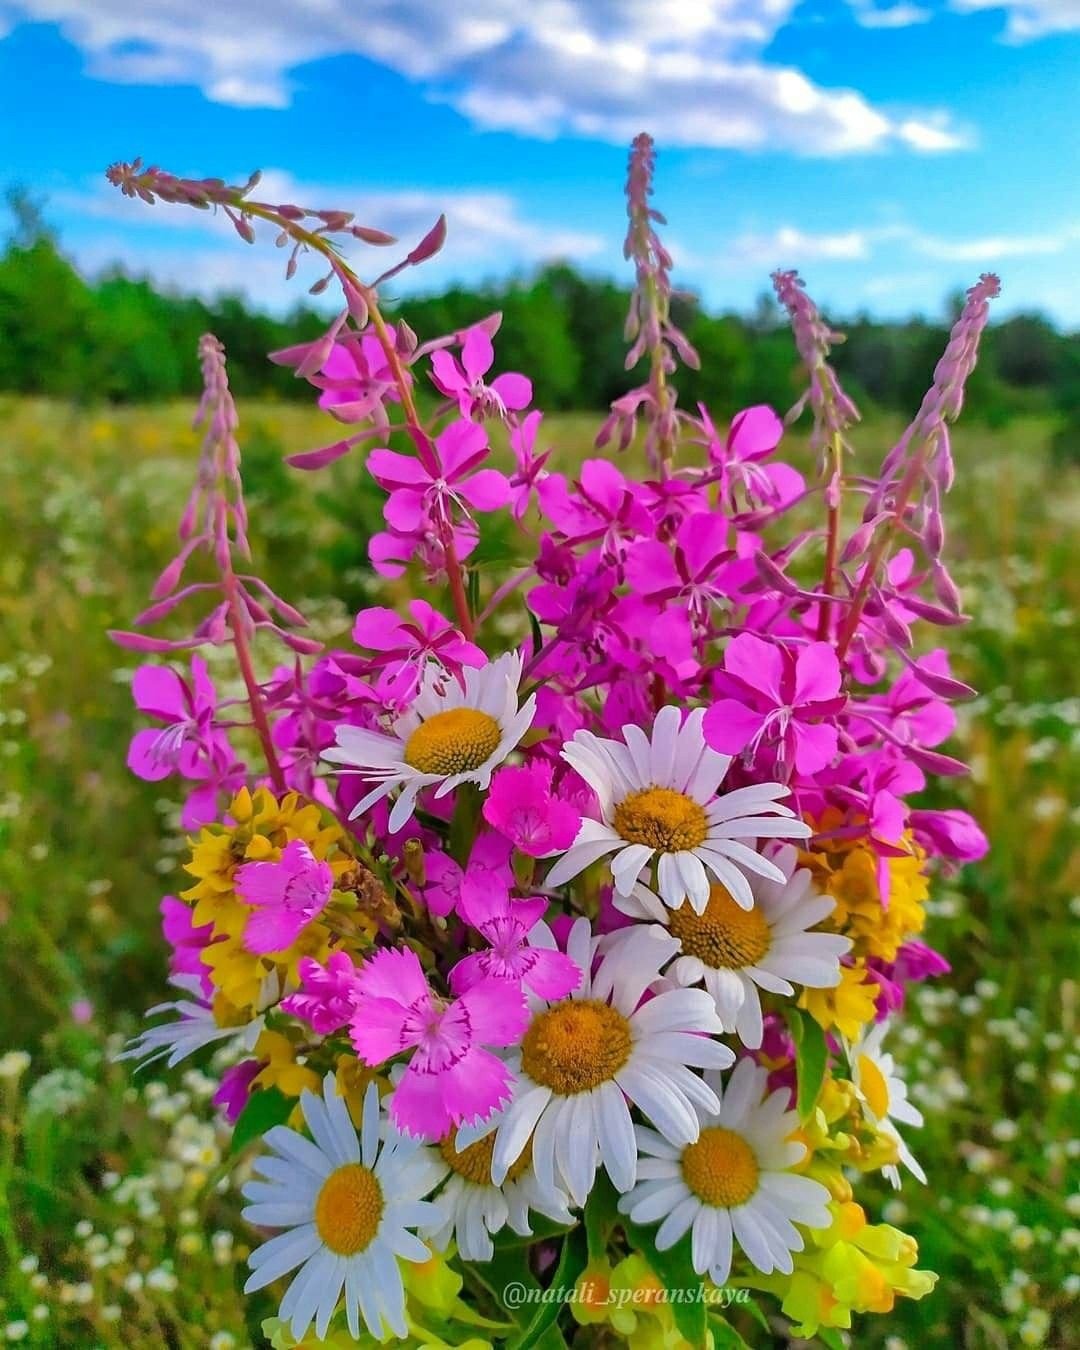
(251, 684)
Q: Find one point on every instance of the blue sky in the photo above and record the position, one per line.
(891, 149)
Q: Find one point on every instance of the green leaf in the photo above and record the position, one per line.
(265, 1109)
(572, 1262)
(757, 1313)
(725, 1337)
(601, 1216)
(811, 1059)
(509, 1265)
(675, 1270)
(534, 630)
(827, 1336)
(464, 823)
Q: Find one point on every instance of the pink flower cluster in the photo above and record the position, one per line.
(720, 584)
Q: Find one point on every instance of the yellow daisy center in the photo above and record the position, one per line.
(720, 1168)
(576, 1046)
(874, 1087)
(725, 936)
(348, 1209)
(662, 818)
(453, 741)
(474, 1162)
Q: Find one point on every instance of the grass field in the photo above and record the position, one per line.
(116, 1227)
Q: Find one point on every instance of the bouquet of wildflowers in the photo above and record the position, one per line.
(551, 934)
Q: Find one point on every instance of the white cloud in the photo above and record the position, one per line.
(987, 250)
(789, 246)
(692, 71)
(1029, 19)
(883, 246)
(868, 14)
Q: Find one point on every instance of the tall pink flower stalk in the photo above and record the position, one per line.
(649, 326)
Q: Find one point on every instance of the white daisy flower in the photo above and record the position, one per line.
(347, 1206)
(584, 1060)
(658, 798)
(195, 1026)
(734, 1183)
(883, 1094)
(735, 952)
(453, 733)
(472, 1208)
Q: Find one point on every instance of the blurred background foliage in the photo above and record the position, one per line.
(119, 339)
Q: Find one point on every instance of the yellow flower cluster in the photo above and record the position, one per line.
(839, 1134)
(262, 828)
(850, 1267)
(847, 870)
(632, 1301)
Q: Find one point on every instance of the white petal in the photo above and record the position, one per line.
(618, 1145)
(676, 1223)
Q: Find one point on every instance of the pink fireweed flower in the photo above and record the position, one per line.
(506, 924)
(601, 505)
(488, 870)
(189, 743)
(531, 464)
(776, 694)
(286, 896)
(405, 646)
(327, 997)
(451, 1078)
(738, 459)
(444, 479)
(695, 571)
(464, 381)
(391, 551)
(521, 807)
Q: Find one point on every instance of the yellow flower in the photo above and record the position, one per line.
(848, 1006)
(352, 1080)
(847, 869)
(280, 1069)
(263, 826)
(850, 1267)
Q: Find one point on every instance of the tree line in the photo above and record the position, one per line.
(119, 338)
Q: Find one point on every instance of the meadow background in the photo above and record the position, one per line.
(118, 1219)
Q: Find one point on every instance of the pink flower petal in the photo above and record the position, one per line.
(515, 390)
(760, 664)
(378, 1029)
(142, 760)
(395, 974)
(391, 470)
(159, 691)
(272, 929)
(487, 490)
(417, 1107)
(552, 975)
(730, 726)
(477, 1085)
(377, 628)
(497, 1011)
(815, 746)
(817, 673)
(477, 354)
(755, 432)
